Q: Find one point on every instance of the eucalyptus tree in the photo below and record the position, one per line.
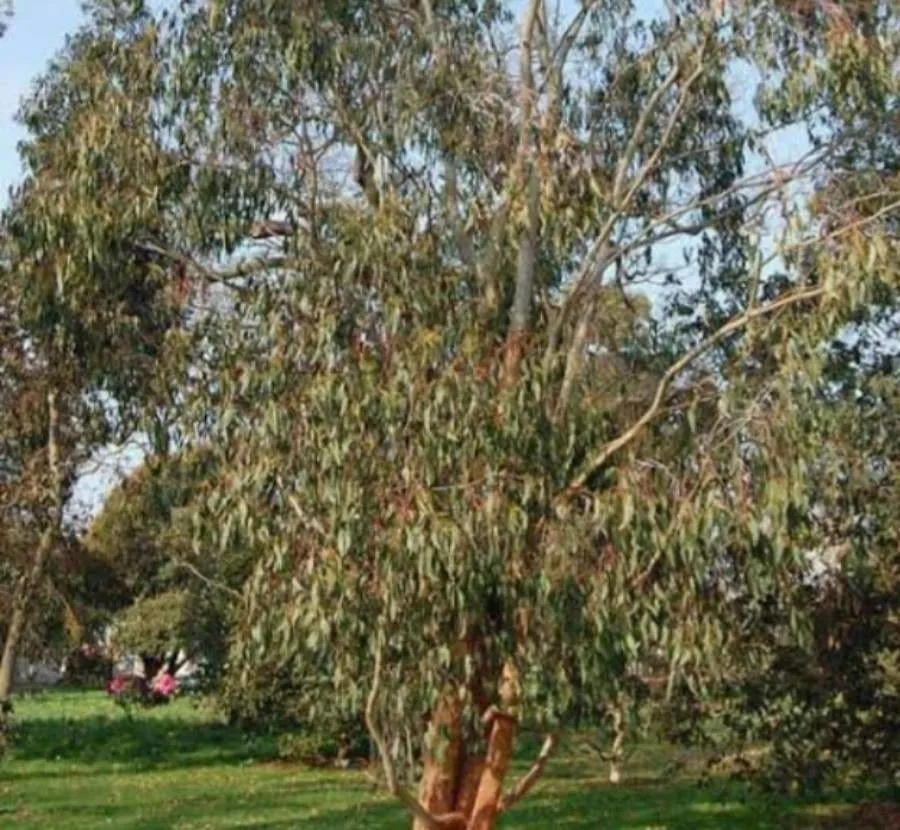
(92, 305)
(473, 495)
(479, 472)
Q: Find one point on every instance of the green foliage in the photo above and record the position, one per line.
(398, 491)
(87, 669)
(831, 716)
(158, 626)
(830, 709)
(141, 532)
(145, 537)
(336, 744)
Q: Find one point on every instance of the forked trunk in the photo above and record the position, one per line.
(475, 787)
(457, 781)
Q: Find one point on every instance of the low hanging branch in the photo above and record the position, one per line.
(445, 821)
(652, 411)
(527, 781)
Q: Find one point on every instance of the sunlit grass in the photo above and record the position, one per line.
(80, 763)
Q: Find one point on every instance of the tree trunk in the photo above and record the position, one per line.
(152, 664)
(467, 784)
(438, 787)
(22, 601)
(10, 647)
(615, 769)
(459, 781)
(20, 617)
(490, 789)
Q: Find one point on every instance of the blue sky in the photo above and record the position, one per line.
(37, 30)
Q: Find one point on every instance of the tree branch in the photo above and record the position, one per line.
(210, 583)
(521, 307)
(567, 41)
(445, 821)
(676, 369)
(524, 784)
(270, 228)
(245, 268)
(651, 162)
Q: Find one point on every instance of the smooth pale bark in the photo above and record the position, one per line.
(527, 174)
(615, 769)
(22, 600)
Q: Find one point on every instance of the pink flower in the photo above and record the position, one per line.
(117, 685)
(165, 684)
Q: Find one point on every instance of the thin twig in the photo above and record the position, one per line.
(211, 583)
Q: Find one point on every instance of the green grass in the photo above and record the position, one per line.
(80, 764)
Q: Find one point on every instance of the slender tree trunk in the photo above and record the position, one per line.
(520, 313)
(19, 617)
(22, 600)
(615, 763)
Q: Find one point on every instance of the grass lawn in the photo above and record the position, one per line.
(80, 764)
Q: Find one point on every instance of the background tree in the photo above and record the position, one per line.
(93, 307)
(173, 595)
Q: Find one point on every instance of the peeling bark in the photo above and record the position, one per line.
(438, 787)
(469, 779)
(490, 788)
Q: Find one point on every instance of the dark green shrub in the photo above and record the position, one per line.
(87, 668)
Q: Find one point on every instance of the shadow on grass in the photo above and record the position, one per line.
(127, 772)
(138, 743)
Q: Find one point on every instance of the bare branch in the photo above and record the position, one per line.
(527, 781)
(445, 821)
(210, 583)
(270, 228)
(569, 37)
(651, 162)
(677, 368)
(640, 128)
(246, 268)
(600, 253)
(573, 363)
(664, 227)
